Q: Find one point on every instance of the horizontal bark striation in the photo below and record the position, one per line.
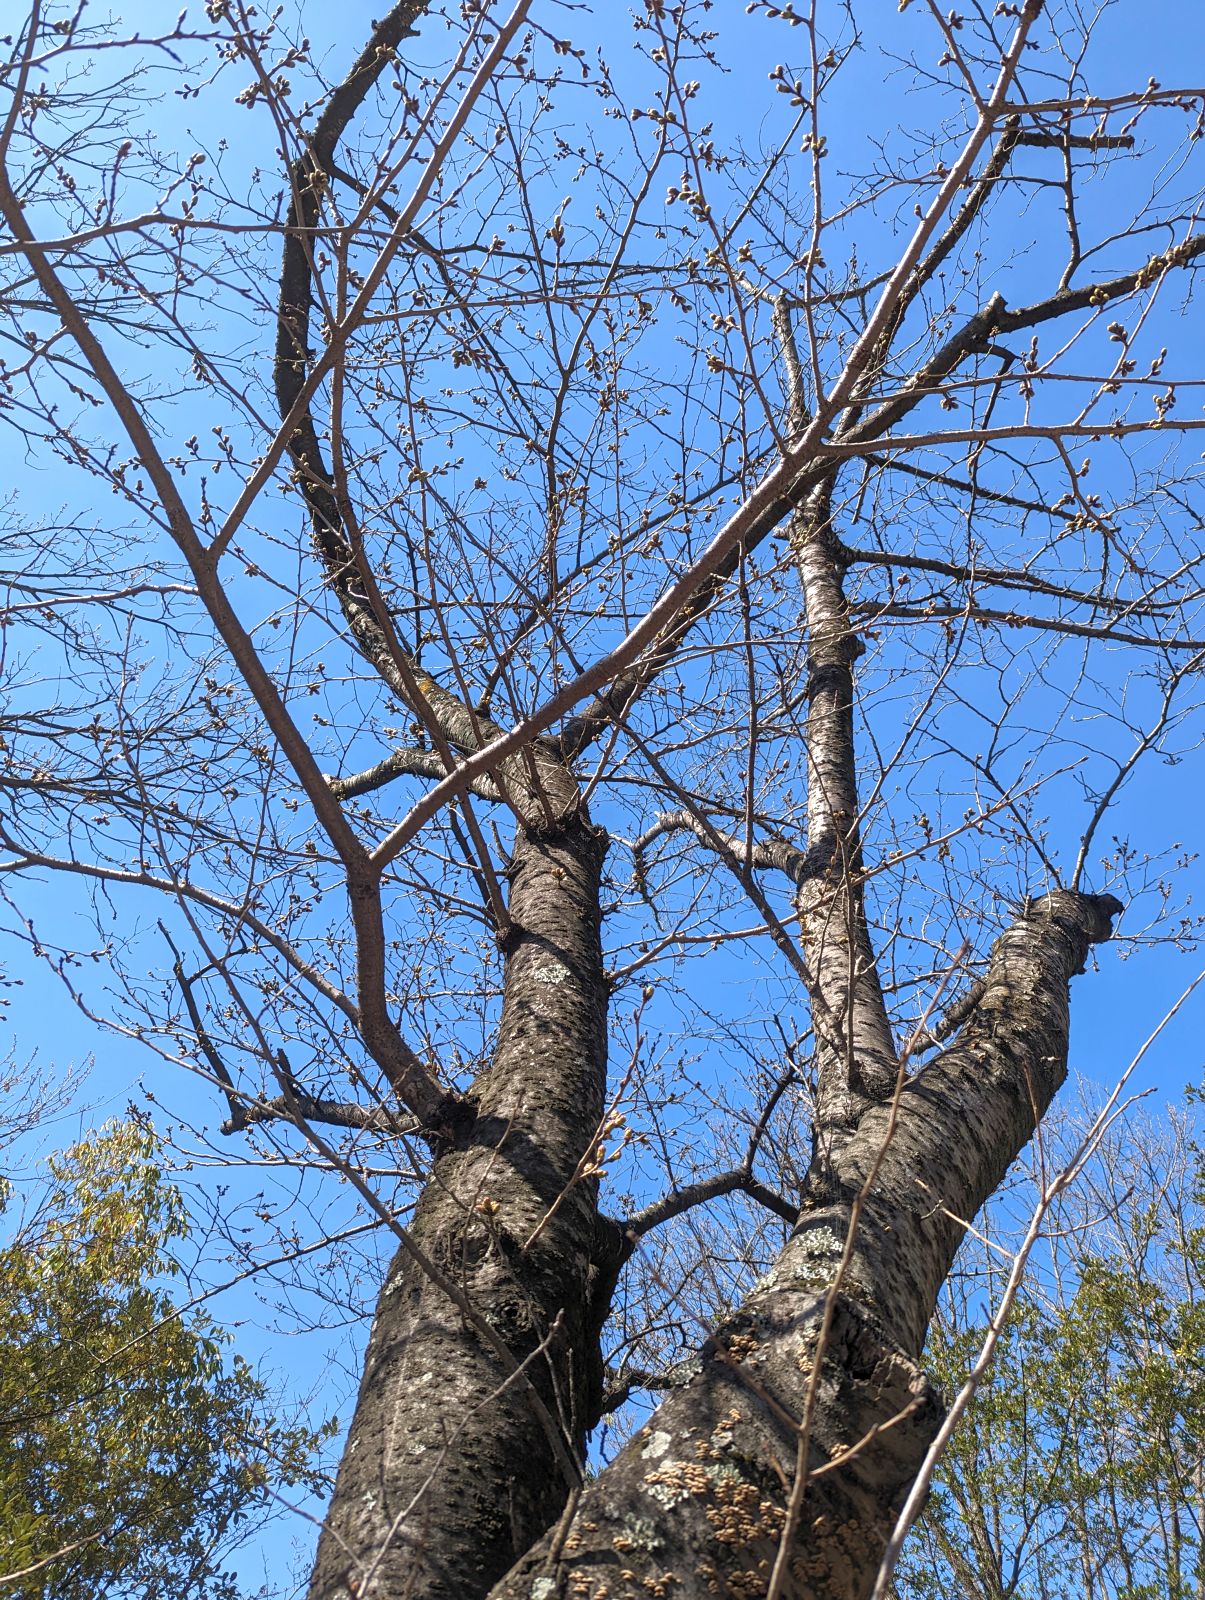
(961, 1121)
(449, 1473)
(696, 1504)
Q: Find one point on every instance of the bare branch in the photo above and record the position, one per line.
(402, 763)
(674, 1204)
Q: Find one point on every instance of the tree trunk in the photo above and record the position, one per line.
(449, 1473)
(696, 1505)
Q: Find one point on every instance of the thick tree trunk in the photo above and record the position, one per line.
(457, 1465)
(449, 1473)
(697, 1503)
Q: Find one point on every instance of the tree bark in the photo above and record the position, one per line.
(457, 1465)
(449, 1473)
(855, 1051)
(696, 1505)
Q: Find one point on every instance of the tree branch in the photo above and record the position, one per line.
(730, 1435)
(774, 853)
(315, 1108)
(856, 1056)
(403, 763)
(876, 610)
(678, 1201)
(999, 578)
(338, 544)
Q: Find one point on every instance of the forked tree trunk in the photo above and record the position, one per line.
(781, 1463)
(695, 1506)
(446, 1482)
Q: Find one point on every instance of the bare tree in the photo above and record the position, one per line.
(592, 573)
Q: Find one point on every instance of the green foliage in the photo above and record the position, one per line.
(1079, 1469)
(127, 1439)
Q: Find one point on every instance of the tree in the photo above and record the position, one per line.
(132, 1454)
(1080, 1468)
(581, 558)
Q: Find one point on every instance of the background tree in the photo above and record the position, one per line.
(594, 575)
(1079, 1468)
(134, 1455)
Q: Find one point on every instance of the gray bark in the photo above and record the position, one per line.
(855, 1051)
(454, 1463)
(449, 1473)
(697, 1502)
(856, 1060)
